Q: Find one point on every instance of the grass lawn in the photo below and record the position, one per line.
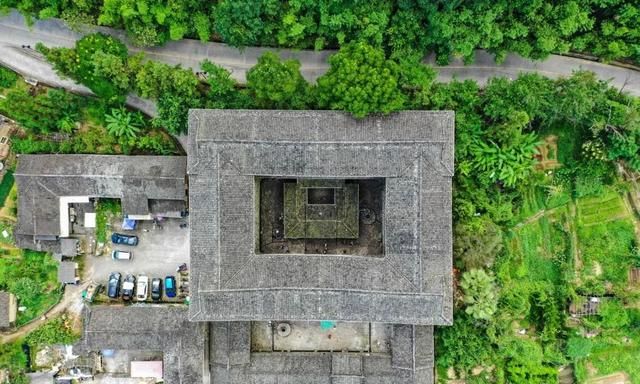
(32, 277)
(6, 228)
(5, 186)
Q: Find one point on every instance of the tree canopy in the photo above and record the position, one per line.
(278, 84)
(404, 28)
(361, 81)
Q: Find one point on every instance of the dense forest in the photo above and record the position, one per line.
(608, 29)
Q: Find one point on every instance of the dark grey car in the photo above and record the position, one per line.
(113, 289)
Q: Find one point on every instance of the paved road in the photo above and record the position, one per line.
(189, 53)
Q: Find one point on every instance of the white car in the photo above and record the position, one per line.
(143, 284)
(121, 255)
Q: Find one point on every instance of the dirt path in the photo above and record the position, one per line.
(537, 216)
(577, 260)
(72, 297)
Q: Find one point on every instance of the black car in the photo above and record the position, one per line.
(156, 289)
(170, 286)
(119, 238)
(128, 287)
(113, 289)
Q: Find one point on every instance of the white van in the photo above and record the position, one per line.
(121, 255)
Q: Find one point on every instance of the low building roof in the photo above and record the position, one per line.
(411, 360)
(230, 281)
(43, 179)
(69, 247)
(67, 272)
(150, 327)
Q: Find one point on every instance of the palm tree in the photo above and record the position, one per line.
(124, 123)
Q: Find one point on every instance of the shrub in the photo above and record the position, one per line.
(479, 294)
(7, 78)
(55, 331)
(578, 347)
(463, 345)
(122, 123)
(613, 315)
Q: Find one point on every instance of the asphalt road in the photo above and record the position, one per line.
(189, 54)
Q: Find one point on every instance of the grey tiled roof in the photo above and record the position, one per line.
(232, 362)
(4, 309)
(67, 272)
(150, 327)
(413, 151)
(42, 179)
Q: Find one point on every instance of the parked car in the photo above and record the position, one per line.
(156, 289)
(170, 286)
(113, 290)
(119, 238)
(121, 255)
(128, 286)
(143, 284)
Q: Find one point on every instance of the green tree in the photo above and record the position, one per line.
(361, 81)
(122, 123)
(97, 61)
(223, 91)
(242, 23)
(479, 294)
(278, 84)
(476, 243)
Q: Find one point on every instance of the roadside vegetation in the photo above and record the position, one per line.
(56, 121)
(607, 29)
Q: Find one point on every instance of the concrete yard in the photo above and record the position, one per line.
(311, 336)
(158, 253)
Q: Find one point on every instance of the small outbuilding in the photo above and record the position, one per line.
(67, 272)
(8, 309)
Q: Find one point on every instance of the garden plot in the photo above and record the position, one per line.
(600, 209)
(538, 250)
(606, 237)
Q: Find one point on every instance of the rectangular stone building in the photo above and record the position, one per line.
(313, 222)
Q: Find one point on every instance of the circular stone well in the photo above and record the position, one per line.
(283, 329)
